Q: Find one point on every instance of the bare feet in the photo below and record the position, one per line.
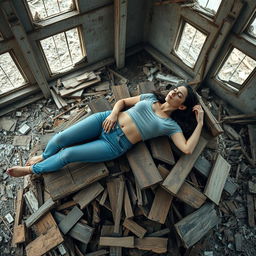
(19, 171)
(34, 160)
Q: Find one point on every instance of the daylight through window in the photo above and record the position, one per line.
(44, 9)
(252, 29)
(210, 5)
(236, 69)
(10, 76)
(62, 50)
(190, 44)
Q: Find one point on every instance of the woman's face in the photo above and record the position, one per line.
(177, 96)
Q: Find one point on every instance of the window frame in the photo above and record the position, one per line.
(206, 14)
(83, 49)
(47, 21)
(182, 23)
(27, 83)
(223, 84)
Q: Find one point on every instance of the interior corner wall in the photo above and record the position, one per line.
(135, 22)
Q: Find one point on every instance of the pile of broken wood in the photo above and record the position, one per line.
(127, 206)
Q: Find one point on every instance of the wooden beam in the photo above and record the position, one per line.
(44, 242)
(119, 204)
(194, 226)
(120, 19)
(79, 231)
(210, 119)
(127, 242)
(72, 178)
(85, 196)
(180, 171)
(134, 228)
(217, 179)
(49, 204)
(203, 166)
(70, 220)
(161, 205)
(18, 216)
(143, 166)
(127, 204)
(155, 244)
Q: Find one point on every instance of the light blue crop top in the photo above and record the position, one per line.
(149, 124)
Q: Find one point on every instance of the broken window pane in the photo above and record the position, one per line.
(10, 76)
(44, 9)
(236, 69)
(62, 50)
(190, 44)
(252, 28)
(208, 6)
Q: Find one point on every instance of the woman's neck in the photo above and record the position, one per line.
(167, 109)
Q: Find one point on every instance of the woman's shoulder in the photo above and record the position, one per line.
(148, 96)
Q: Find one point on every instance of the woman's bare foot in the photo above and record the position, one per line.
(34, 160)
(19, 171)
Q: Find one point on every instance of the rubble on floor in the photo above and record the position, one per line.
(152, 201)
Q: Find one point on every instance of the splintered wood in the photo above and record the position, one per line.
(126, 205)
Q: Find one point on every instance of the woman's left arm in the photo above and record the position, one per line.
(188, 146)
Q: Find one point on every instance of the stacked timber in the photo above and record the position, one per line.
(127, 206)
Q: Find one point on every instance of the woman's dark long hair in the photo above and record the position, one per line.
(185, 118)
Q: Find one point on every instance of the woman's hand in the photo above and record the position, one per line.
(199, 114)
(109, 122)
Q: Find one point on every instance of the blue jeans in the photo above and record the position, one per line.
(98, 146)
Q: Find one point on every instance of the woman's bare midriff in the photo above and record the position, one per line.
(129, 128)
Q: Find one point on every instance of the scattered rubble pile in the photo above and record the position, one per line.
(151, 201)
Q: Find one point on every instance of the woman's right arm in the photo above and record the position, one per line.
(110, 121)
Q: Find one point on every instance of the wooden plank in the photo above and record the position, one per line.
(120, 91)
(19, 235)
(70, 220)
(203, 166)
(49, 204)
(217, 179)
(127, 242)
(134, 228)
(79, 231)
(65, 92)
(119, 204)
(210, 120)
(99, 105)
(250, 210)
(18, 214)
(161, 232)
(73, 177)
(85, 196)
(44, 242)
(194, 226)
(31, 201)
(143, 166)
(155, 244)
(127, 204)
(66, 205)
(120, 20)
(44, 224)
(161, 149)
(113, 187)
(161, 205)
(146, 87)
(180, 171)
(191, 196)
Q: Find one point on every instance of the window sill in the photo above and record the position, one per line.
(55, 19)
